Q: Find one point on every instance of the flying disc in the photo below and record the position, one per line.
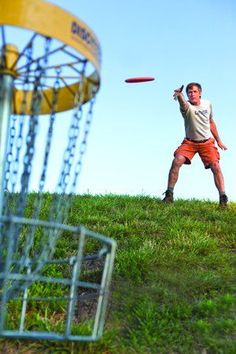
(133, 80)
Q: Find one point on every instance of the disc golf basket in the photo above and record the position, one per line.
(54, 277)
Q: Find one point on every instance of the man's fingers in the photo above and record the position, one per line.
(178, 90)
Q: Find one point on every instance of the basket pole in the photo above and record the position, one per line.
(6, 94)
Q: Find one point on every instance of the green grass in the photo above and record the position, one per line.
(173, 288)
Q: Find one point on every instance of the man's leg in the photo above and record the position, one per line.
(219, 182)
(178, 161)
(218, 176)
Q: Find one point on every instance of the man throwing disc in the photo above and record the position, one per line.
(200, 136)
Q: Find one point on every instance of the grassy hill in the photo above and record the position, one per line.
(173, 288)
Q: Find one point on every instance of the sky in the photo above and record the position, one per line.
(137, 127)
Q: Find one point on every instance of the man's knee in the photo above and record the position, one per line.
(215, 167)
(178, 161)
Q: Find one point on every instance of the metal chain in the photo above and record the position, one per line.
(9, 155)
(61, 203)
(60, 206)
(83, 144)
(33, 128)
(38, 199)
(12, 170)
(70, 150)
(67, 180)
(56, 87)
(21, 198)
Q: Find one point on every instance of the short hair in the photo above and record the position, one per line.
(191, 84)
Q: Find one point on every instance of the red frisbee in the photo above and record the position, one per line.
(134, 80)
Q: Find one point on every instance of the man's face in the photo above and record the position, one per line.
(194, 95)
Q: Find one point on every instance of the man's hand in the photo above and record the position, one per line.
(177, 92)
(221, 145)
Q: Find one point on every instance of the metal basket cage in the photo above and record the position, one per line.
(67, 297)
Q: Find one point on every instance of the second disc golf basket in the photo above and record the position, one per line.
(54, 277)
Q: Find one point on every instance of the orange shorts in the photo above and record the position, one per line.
(207, 151)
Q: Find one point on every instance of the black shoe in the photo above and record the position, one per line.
(223, 201)
(169, 197)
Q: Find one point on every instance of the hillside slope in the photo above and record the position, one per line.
(174, 274)
(174, 278)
